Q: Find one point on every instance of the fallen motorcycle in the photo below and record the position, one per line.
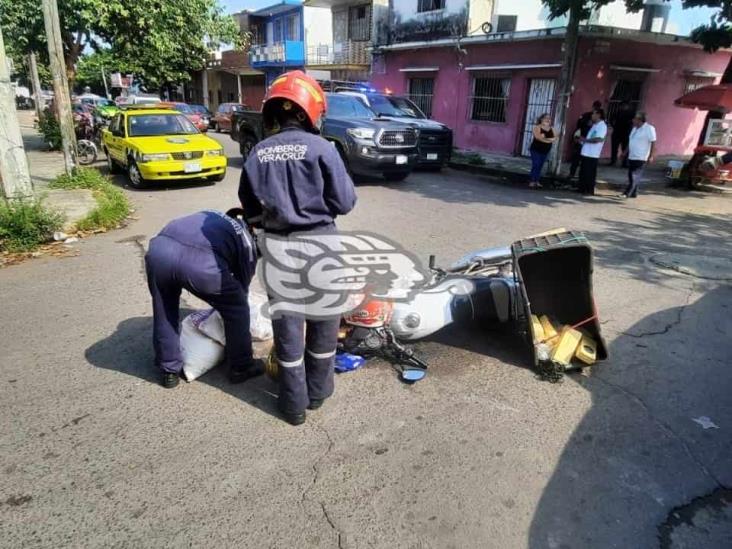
(541, 284)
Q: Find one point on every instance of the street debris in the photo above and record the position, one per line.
(71, 240)
(53, 249)
(59, 235)
(705, 422)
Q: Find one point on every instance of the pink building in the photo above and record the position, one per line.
(490, 88)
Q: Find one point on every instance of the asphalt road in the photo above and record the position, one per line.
(93, 453)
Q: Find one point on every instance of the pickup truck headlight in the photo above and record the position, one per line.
(154, 157)
(361, 133)
(217, 152)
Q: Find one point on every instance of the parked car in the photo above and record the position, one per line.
(435, 139)
(141, 99)
(191, 114)
(368, 144)
(206, 114)
(222, 118)
(106, 108)
(154, 144)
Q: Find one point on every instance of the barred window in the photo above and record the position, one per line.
(420, 92)
(695, 82)
(490, 99)
(430, 5)
(359, 23)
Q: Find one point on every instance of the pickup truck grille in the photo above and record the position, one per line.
(187, 155)
(398, 138)
(433, 139)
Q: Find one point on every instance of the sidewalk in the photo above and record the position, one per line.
(44, 166)
(518, 168)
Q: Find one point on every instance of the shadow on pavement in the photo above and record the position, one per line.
(638, 454)
(129, 350)
(621, 245)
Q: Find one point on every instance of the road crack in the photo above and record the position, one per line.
(673, 324)
(316, 477)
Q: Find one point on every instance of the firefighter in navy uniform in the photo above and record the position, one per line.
(212, 255)
(296, 182)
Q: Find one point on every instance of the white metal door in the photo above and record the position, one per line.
(540, 100)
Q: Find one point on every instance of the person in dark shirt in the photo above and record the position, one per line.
(621, 124)
(295, 182)
(584, 123)
(540, 147)
(212, 255)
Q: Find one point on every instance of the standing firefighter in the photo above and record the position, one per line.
(296, 182)
(211, 255)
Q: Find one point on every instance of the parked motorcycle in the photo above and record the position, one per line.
(89, 138)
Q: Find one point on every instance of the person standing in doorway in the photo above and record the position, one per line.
(584, 123)
(540, 147)
(641, 149)
(591, 150)
(621, 123)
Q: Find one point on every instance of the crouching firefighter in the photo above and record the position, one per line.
(212, 255)
(295, 182)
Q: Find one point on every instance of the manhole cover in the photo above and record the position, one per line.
(700, 266)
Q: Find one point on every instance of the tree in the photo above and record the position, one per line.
(576, 10)
(718, 33)
(160, 40)
(90, 66)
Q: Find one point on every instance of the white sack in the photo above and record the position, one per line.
(200, 353)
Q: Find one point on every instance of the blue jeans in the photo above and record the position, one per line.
(537, 163)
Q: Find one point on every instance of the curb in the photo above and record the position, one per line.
(520, 177)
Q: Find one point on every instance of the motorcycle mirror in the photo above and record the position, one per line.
(412, 375)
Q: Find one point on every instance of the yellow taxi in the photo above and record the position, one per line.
(160, 144)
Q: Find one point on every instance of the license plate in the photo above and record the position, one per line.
(401, 159)
(192, 167)
(432, 156)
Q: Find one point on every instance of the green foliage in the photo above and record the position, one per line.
(25, 225)
(718, 33)
(559, 8)
(112, 204)
(89, 69)
(160, 42)
(49, 127)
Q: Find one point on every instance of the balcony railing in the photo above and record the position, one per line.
(280, 53)
(345, 53)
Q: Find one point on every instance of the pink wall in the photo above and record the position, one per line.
(677, 128)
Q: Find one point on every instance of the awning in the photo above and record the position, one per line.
(629, 68)
(708, 98)
(513, 67)
(419, 69)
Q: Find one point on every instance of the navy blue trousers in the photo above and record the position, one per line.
(305, 350)
(171, 267)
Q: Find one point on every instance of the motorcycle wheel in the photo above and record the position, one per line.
(86, 152)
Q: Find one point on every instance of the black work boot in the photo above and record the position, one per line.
(253, 368)
(294, 418)
(170, 380)
(315, 403)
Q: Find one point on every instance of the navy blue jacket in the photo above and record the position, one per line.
(295, 180)
(214, 231)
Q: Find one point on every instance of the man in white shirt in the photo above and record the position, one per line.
(641, 149)
(591, 150)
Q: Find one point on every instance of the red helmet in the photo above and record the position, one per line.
(371, 314)
(298, 88)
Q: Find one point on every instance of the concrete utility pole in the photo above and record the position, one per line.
(16, 181)
(106, 89)
(36, 83)
(564, 93)
(60, 83)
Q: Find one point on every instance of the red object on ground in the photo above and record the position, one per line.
(708, 98)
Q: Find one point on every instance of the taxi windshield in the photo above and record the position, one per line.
(148, 125)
